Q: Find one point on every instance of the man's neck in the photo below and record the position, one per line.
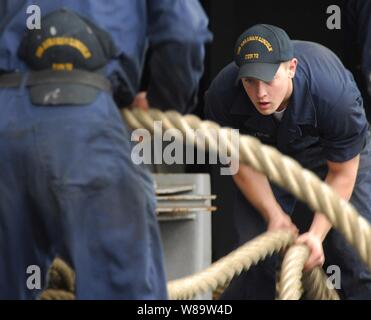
(286, 101)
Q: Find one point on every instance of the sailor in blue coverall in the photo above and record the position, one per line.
(298, 97)
(68, 186)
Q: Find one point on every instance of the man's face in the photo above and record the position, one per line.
(269, 97)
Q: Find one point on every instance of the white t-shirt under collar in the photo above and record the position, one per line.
(279, 114)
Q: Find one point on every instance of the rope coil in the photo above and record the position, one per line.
(282, 170)
(290, 286)
(286, 173)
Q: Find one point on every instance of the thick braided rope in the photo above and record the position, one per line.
(56, 294)
(61, 282)
(222, 271)
(290, 285)
(62, 278)
(280, 169)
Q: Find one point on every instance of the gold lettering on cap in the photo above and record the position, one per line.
(248, 39)
(250, 56)
(62, 66)
(63, 41)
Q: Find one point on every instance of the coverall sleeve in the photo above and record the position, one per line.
(128, 26)
(343, 126)
(177, 33)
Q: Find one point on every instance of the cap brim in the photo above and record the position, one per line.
(261, 71)
(63, 94)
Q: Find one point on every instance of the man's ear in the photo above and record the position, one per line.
(292, 67)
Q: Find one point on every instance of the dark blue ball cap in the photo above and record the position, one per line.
(260, 50)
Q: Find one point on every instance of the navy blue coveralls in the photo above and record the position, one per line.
(68, 186)
(324, 120)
